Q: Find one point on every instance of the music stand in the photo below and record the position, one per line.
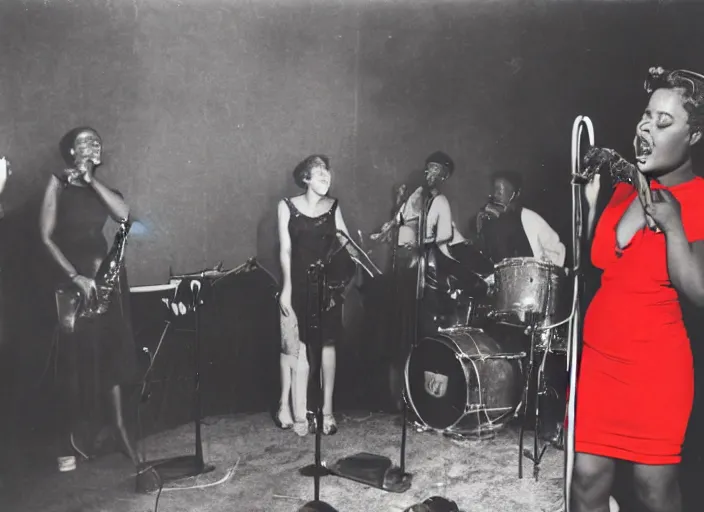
(368, 468)
(184, 466)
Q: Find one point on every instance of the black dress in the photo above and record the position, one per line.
(312, 239)
(100, 352)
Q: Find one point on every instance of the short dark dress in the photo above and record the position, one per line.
(312, 239)
(100, 353)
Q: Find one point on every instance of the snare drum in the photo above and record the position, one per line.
(463, 382)
(528, 290)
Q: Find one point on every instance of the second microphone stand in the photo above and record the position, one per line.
(316, 294)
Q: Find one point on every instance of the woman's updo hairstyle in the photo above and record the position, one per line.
(689, 84)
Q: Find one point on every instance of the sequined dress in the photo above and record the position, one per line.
(636, 381)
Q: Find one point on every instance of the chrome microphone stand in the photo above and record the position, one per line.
(575, 326)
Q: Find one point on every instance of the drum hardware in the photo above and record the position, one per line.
(463, 383)
(536, 333)
(537, 455)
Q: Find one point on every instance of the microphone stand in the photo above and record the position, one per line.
(316, 295)
(575, 322)
(177, 468)
(368, 468)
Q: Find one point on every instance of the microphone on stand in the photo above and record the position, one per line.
(368, 265)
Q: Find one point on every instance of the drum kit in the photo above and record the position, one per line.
(470, 378)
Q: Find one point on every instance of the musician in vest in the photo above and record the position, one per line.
(428, 203)
(97, 355)
(507, 229)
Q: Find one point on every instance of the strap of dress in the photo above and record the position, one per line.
(291, 208)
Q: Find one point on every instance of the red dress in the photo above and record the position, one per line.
(636, 381)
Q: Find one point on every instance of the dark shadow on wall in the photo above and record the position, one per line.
(29, 317)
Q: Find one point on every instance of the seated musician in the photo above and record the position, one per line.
(507, 229)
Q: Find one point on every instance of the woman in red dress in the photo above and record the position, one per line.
(636, 382)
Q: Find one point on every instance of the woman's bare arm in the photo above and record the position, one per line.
(47, 224)
(284, 216)
(118, 209)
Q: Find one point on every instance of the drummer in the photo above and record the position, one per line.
(507, 229)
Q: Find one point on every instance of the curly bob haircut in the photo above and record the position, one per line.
(68, 141)
(689, 84)
(303, 170)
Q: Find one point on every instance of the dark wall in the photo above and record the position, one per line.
(205, 108)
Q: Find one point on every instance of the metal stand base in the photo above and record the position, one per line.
(536, 455)
(373, 470)
(155, 474)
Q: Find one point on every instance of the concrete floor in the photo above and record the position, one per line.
(264, 463)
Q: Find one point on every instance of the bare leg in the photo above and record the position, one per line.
(120, 424)
(329, 363)
(299, 390)
(328, 377)
(592, 479)
(287, 364)
(657, 487)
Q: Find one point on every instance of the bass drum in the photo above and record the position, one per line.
(464, 382)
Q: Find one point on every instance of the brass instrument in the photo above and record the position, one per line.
(71, 305)
(107, 279)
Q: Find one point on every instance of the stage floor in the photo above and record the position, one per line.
(263, 462)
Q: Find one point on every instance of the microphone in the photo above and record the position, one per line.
(365, 264)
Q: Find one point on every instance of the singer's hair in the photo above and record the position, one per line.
(443, 159)
(68, 141)
(303, 169)
(513, 177)
(690, 85)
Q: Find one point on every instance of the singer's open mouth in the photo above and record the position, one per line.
(643, 148)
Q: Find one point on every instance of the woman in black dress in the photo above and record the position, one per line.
(99, 351)
(308, 232)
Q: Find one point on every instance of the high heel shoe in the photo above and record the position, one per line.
(301, 428)
(329, 425)
(286, 423)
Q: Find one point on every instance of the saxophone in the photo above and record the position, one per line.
(70, 304)
(108, 277)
